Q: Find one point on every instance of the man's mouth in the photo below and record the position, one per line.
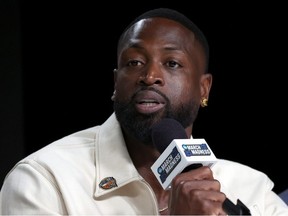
(148, 101)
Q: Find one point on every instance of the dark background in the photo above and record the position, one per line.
(57, 58)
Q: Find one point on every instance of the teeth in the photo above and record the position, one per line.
(148, 103)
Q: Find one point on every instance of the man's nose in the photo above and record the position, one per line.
(151, 75)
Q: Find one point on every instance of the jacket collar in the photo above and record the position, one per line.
(112, 158)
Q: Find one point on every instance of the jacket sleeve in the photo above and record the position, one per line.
(274, 205)
(30, 189)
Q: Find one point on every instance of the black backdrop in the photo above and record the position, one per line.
(68, 53)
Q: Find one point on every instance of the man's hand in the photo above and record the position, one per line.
(196, 193)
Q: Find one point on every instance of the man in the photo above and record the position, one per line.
(106, 170)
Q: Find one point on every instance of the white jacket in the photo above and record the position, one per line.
(63, 179)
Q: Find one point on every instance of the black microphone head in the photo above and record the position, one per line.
(165, 131)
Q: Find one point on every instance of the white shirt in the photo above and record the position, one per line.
(64, 178)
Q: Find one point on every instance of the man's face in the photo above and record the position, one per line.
(159, 75)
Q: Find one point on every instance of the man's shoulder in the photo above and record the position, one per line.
(71, 147)
(234, 166)
(237, 174)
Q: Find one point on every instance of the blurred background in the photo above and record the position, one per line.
(57, 58)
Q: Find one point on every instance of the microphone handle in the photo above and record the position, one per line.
(232, 209)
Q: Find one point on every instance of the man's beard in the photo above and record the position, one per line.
(138, 124)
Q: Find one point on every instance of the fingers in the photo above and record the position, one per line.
(186, 186)
(198, 202)
(196, 192)
(201, 173)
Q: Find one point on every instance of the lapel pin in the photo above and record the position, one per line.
(108, 183)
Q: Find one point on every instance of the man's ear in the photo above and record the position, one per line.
(115, 81)
(115, 74)
(205, 85)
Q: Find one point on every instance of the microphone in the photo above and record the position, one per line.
(180, 154)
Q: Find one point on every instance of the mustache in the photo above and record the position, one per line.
(149, 88)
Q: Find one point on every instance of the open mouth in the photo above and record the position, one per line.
(148, 101)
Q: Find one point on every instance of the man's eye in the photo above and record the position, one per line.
(172, 64)
(134, 63)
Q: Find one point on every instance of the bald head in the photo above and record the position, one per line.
(175, 16)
